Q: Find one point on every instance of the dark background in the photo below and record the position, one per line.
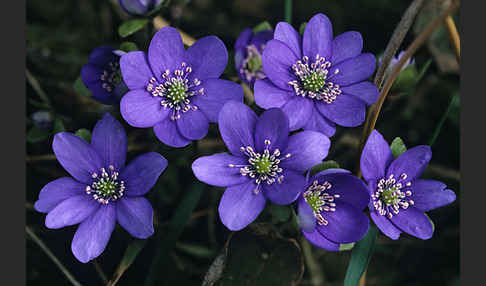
(61, 34)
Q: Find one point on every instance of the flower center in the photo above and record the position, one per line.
(252, 64)
(111, 76)
(263, 167)
(391, 195)
(175, 90)
(312, 80)
(106, 187)
(320, 200)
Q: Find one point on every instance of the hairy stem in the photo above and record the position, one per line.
(375, 109)
(453, 36)
(288, 11)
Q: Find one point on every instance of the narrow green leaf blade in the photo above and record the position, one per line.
(129, 27)
(360, 257)
(176, 226)
(131, 253)
(397, 147)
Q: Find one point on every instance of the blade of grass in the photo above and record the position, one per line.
(360, 257)
(438, 128)
(49, 253)
(100, 272)
(131, 253)
(176, 226)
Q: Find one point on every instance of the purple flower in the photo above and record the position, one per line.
(102, 75)
(138, 7)
(316, 80)
(330, 209)
(248, 55)
(265, 162)
(42, 119)
(102, 189)
(394, 61)
(176, 91)
(398, 197)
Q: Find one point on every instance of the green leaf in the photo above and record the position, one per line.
(263, 26)
(176, 226)
(360, 257)
(302, 28)
(128, 47)
(84, 134)
(397, 147)
(329, 164)
(195, 250)
(80, 88)
(58, 126)
(36, 134)
(131, 253)
(256, 258)
(131, 26)
(454, 103)
(163, 4)
(346, 246)
(424, 69)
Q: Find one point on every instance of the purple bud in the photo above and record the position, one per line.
(42, 119)
(139, 7)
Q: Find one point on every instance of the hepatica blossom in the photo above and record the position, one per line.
(318, 81)
(398, 197)
(265, 162)
(102, 75)
(176, 91)
(330, 209)
(102, 190)
(248, 54)
(138, 7)
(395, 60)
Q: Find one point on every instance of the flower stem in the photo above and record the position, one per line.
(375, 109)
(288, 11)
(54, 259)
(100, 272)
(453, 36)
(397, 38)
(36, 86)
(438, 128)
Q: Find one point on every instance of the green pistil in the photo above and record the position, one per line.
(263, 166)
(313, 82)
(389, 196)
(177, 92)
(254, 64)
(107, 188)
(314, 201)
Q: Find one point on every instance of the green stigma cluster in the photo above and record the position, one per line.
(254, 63)
(177, 92)
(313, 82)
